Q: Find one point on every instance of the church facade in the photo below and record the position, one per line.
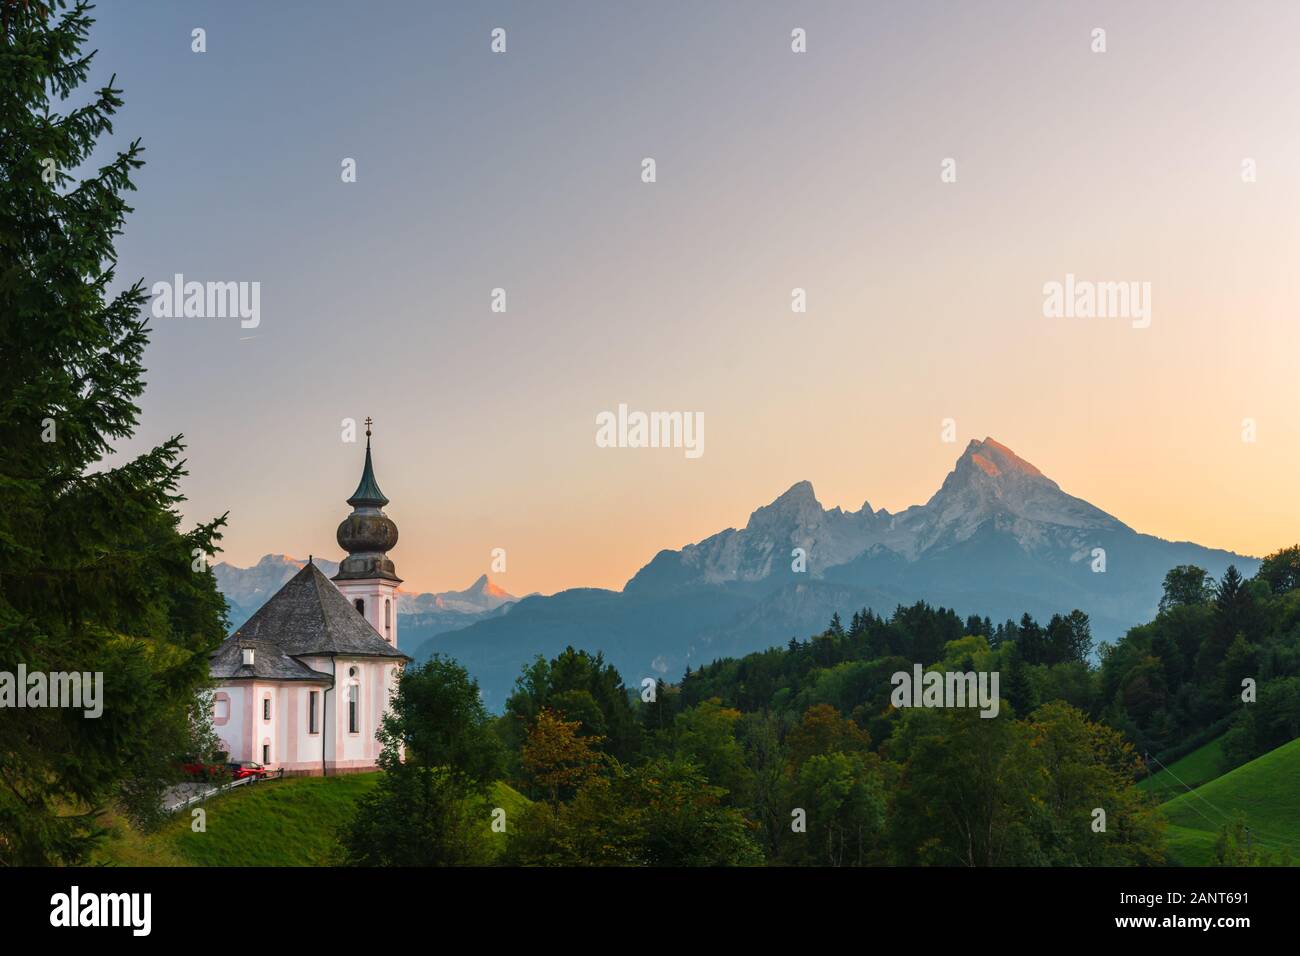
(303, 684)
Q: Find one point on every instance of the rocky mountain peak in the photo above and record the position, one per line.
(990, 481)
(798, 506)
(484, 587)
(995, 460)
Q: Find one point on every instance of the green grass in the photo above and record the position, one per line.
(1200, 766)
(289, 822)
(1265, 791)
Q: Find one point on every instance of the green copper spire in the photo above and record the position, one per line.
(367, 534)
(368, 493)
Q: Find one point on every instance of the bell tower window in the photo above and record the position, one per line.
(360, 604)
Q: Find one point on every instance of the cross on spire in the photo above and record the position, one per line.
(369, 421)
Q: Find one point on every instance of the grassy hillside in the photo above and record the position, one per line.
(1200, 766)
(288, 822)
(1265, 791)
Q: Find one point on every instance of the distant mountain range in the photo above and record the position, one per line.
(999, 538)
(420, 617)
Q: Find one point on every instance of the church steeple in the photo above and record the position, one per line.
(367, 534)
(368, 493)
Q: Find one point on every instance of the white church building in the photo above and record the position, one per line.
(305, 681)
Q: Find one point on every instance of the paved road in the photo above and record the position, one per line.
(177, 795)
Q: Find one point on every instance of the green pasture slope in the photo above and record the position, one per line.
(1200, 766)
(289, 822)
(1265, 791)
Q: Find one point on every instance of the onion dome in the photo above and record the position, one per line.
(367, 534)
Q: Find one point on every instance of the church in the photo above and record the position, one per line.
(303, 684)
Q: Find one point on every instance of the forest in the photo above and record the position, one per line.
(796, 756)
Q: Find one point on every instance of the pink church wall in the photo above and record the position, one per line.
(293, 746)
(245, 745)
(292, 704)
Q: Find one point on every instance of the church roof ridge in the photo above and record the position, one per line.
(307, 616)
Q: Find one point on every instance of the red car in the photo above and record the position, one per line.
(247, 768)
(204, 771)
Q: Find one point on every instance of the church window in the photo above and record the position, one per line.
(360, 606)
(313, 726)
(266, 708)
(388, 614)
(266, 753)
(354, 711)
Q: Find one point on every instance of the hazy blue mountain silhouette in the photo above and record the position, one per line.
(998, 538)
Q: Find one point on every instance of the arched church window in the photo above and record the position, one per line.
(388, 614)
(360, 606)
(354, 710)
(221, 709)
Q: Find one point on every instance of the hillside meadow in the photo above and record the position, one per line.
(1263, 794)
(289, 822)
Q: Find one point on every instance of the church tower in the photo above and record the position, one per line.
(366, 576)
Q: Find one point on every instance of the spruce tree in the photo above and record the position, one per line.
(1018, 686)
(95, 573)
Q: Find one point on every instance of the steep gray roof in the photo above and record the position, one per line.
(269, 663)
(305, 617)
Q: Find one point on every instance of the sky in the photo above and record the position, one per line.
(774, 170)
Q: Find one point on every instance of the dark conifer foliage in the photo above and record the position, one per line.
(95, 573)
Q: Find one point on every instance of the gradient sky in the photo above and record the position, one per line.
(775, 170)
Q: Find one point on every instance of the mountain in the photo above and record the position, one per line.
(422, 617)
(998, 538)
(419, 616)
(480, 596)
(247, 589)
